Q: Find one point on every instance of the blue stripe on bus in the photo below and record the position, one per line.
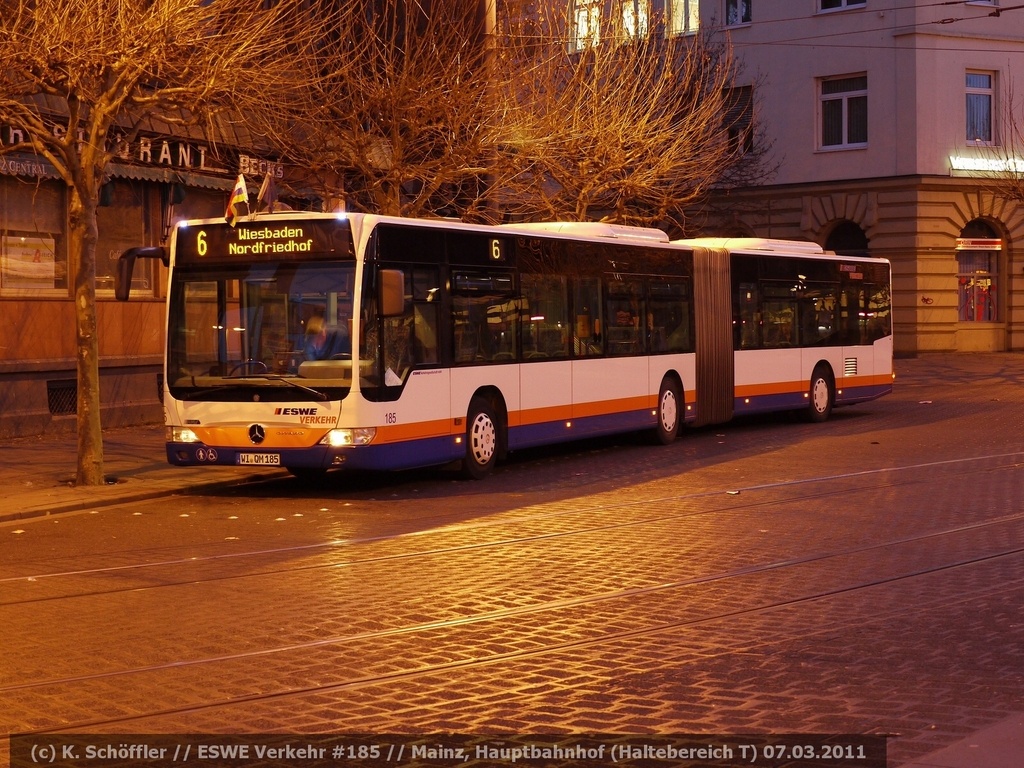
(444, 449)
(783, 401)
(590, 426)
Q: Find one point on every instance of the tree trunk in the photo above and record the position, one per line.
(82, 241)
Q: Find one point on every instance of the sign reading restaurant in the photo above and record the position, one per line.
(162, 151)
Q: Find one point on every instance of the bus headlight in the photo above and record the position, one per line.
(341, 438)
(181, 435)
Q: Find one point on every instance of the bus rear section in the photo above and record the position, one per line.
(809, 331)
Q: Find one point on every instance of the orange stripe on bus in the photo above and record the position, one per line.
(276, 436)
(786, 387)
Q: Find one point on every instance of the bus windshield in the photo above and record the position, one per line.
(273, 329)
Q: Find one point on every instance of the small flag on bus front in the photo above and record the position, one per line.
(268, 194)
(239, 197)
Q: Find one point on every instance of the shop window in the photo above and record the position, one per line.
(33, 249)
(121, 221)
(976, 281)
(977, 260)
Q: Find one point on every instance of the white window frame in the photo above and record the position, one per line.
(843, 5)
(844, 97)
(683, 17)
(988, 92)
(586, 24)
(736, 10)
(636, 18)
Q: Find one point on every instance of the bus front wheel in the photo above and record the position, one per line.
(670, 409)
(481, 439)
(821, 395)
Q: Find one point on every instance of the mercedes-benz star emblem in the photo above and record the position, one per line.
(257, 434)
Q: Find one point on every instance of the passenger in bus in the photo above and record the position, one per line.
(324, 342)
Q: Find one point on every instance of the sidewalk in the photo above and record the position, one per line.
(37, 474)
(37, 477)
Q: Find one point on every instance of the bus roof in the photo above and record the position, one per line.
(593, 229)
(754, 244)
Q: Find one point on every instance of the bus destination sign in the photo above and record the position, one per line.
(263, 241)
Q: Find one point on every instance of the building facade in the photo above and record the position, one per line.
(891, 122)
(154, 183)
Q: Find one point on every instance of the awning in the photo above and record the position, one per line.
(23, 164)
(170, 176)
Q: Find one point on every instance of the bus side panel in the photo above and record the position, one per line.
(545, 412)
(611, 395)
(685, 367)
(865, 372)
(770, 380)
(467, 381)
(419, 414)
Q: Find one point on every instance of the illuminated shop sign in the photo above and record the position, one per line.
(161, 151)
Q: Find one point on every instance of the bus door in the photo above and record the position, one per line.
(610, 386)
(546, 372)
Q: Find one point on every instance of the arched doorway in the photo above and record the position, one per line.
(847, 239)
(977, 273)
(980, 313)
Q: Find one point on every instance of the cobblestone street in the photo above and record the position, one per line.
(858, 576)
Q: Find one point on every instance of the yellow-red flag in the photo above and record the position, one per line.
(239, 196)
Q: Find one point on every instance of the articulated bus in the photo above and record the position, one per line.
(355, 341)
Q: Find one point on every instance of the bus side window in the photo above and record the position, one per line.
(668, 316)
(879, 319)
(588, 339)
(780, 315)
(749, 319)
(817, 314)
(624, 315)
(545, 317)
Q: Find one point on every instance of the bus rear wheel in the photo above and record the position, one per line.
(670, 410)
(821, 395)
(482, 440)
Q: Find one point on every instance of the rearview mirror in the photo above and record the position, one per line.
(392, 292)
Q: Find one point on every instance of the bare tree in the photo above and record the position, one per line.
(395, 117)
(631, 128)
(79, 78)
(484, 110)
(1001, 162)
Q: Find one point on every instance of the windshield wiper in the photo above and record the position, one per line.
(316, 393)
(234, 387)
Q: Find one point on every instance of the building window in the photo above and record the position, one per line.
(739, 118)
(635, 18)
(737, 12)
(33, 248)
(980, 102)
(828, 5)
(844, 112)
(683, 17)
(586, 24)
(977, 273)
